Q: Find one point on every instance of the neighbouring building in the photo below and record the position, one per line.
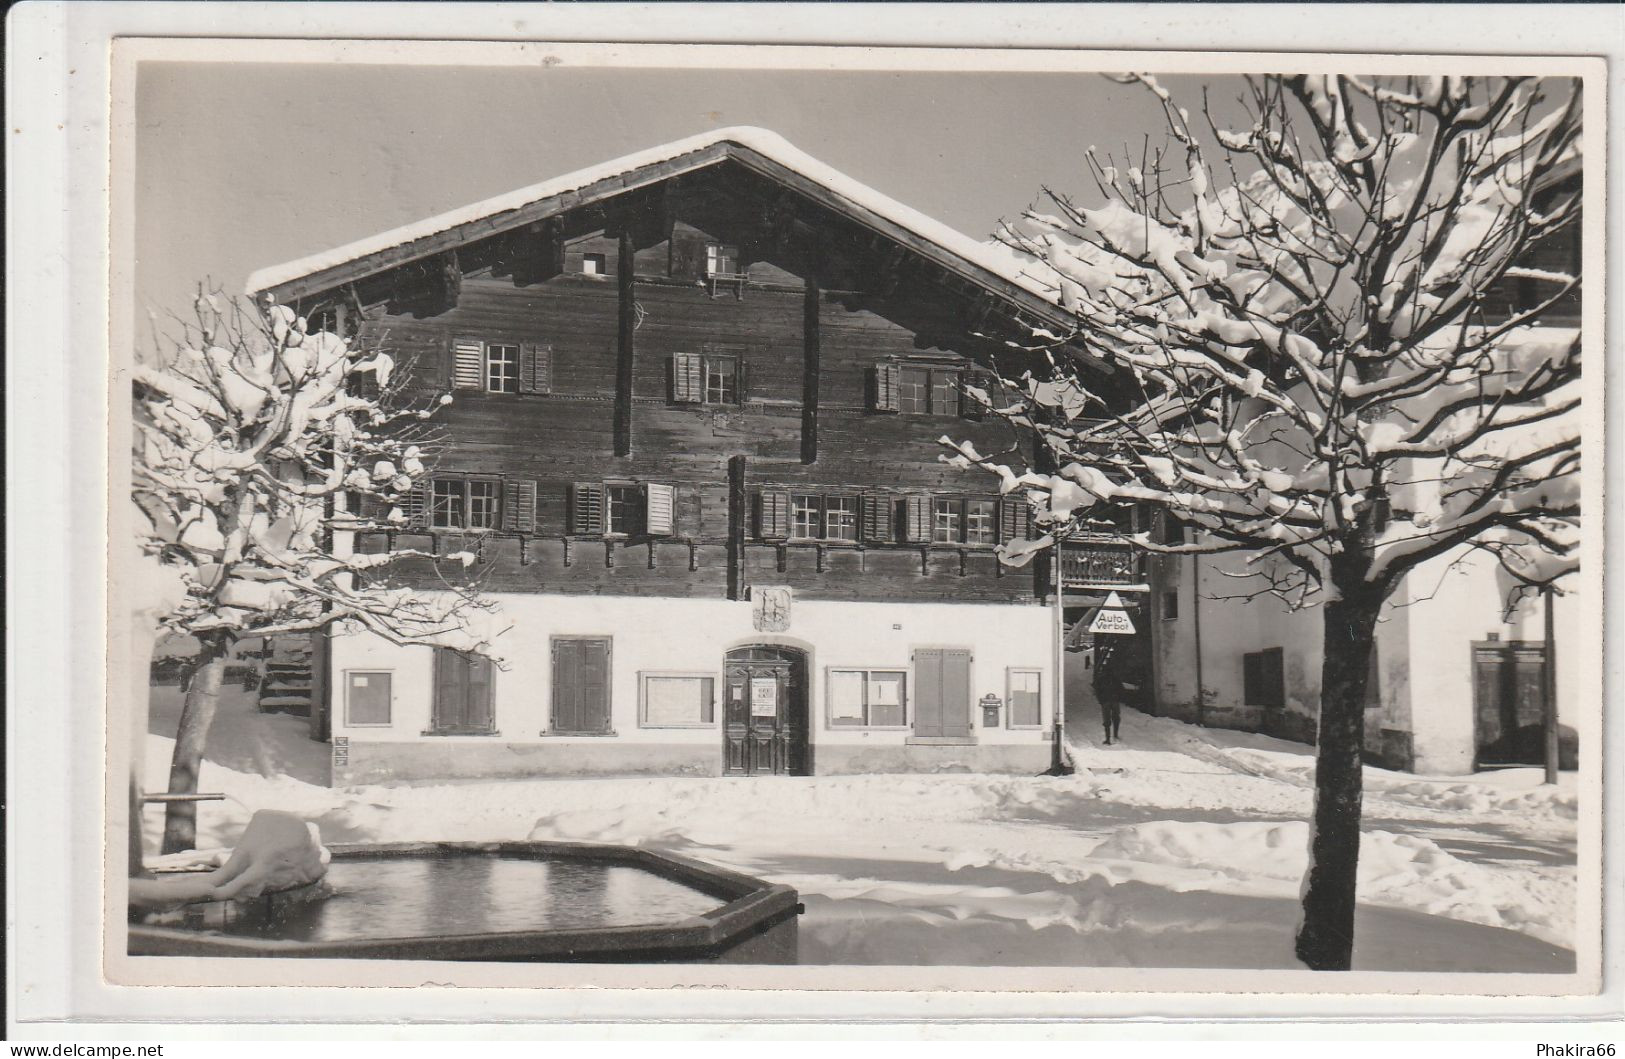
(698, 393)
(1457, 677)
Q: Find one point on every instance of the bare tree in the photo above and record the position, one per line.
(1321, 367)
(261, 447)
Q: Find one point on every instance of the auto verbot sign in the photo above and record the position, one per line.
(1113, 618)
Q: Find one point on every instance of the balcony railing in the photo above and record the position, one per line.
(1099, 563)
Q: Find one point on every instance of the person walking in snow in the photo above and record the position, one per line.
(1108, 684)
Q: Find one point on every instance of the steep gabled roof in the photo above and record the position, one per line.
(759, 150)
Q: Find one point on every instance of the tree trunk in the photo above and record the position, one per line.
(202, 698)
(1326, 933)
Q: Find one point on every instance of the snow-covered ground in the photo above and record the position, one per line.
(1179, 846)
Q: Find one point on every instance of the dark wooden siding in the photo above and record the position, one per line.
(567, 436)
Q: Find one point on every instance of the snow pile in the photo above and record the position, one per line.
(1157, 853)
(278, 851)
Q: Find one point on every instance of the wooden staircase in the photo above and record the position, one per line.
(286, 686)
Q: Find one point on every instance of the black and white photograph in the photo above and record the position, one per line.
(829, 517)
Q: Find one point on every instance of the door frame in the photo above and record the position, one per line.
(1508, 651)
(796, 711)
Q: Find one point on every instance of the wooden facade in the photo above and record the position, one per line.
(693, 442)
(659, 335)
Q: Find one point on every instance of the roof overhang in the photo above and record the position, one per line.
(757, 150)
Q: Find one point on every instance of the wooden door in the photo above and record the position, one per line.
(764, 716)
(942, 706)
(1508, 708)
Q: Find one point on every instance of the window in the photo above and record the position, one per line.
(368, 697)
(841, 518)
(708, 378)
(621, 509)
(580, 703)
(721, 260)
(1173, 528)
(625, 509)
(1263, 682)
(806, 515)
(811, 516)
(980, 522)
(957, 520)
(917, 390)
(868, 698)
(463, 685)
(593, 265)
(501, 368)
(464, 504)
(1024, 698)
(677, 700)
(1170, 606)
(721, 380)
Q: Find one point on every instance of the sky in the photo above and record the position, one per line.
(239, 166)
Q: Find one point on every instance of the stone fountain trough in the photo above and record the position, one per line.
(496, 901)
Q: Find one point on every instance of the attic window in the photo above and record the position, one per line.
(594, 265)
(722, 271)
(721, 261)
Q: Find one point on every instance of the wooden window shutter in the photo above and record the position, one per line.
(1015, 518)
(595, 686)
(415, 505)
(775, 517)
(917, 519)
(658, 508)
(956, 704)
(879, 523)
(687, 378)
(886, 378)
(536, 369)
(467, 364)
(587, 508)
(742, 379)
(519, 506)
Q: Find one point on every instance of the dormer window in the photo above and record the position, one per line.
(721, 261)
(722, 269)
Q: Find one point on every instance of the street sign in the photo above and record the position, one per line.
(1112, 621)
(1113, 618)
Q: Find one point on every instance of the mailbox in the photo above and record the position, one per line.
(990, 711)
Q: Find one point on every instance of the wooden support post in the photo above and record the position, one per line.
(448, 280)
(738, 515)
(809, 363)
(623, 362)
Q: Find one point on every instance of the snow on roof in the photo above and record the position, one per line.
(995, 260)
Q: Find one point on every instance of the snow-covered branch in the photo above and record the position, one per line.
(1325, 315)
(261, 448)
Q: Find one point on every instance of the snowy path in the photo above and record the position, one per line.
(1179, 847)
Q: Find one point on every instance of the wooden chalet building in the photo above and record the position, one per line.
(697, 397)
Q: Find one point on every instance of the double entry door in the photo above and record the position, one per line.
(765, 713)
